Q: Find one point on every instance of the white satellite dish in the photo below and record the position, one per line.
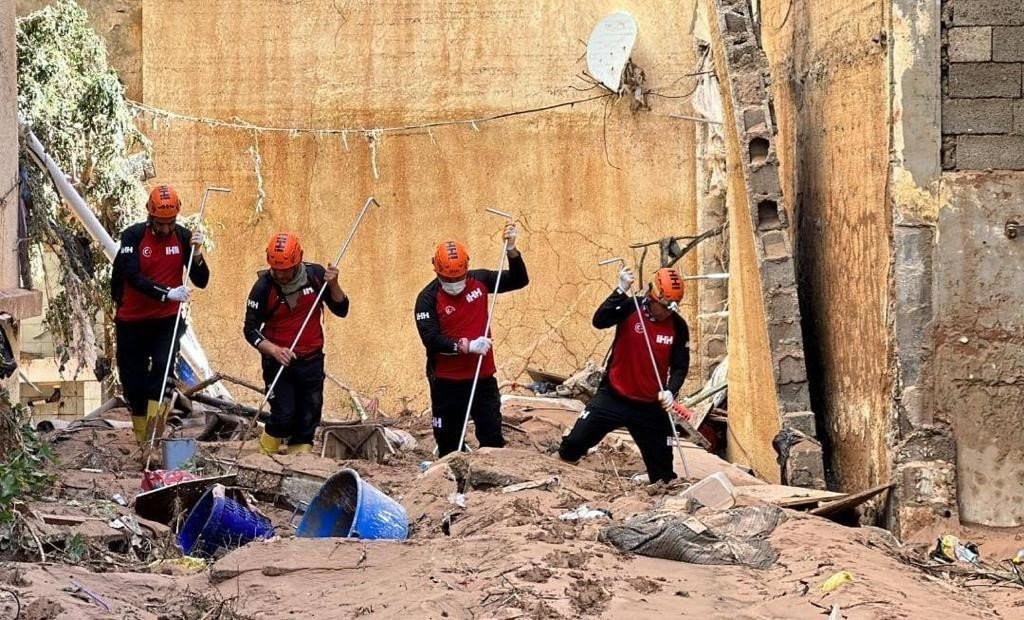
(609, 48)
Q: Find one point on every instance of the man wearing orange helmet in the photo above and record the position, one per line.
(451, 315)
(147, 287)
(278, 304)
(629, 394)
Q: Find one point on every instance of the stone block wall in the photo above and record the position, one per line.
(983, 85)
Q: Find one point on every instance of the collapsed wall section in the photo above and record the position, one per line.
(768, 378)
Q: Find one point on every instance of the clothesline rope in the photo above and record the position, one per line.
(246, 126)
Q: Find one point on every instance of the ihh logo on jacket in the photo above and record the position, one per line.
(474, 294)
(664, 339)
(172, 250)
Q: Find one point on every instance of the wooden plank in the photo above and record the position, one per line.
(851, 501)
(66, 519)
(786, 496)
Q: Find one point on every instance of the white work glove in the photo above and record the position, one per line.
(626, 279)
(667, 400)
(510, 236)
(178, 293)
(480, 346)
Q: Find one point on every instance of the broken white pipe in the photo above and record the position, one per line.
(82, 211)
(191, 350)
(487, 329)
(654, 367)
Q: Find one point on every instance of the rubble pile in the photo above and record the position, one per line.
(499, 533)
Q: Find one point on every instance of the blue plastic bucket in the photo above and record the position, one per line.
(346, 506)
(177, 452)
(218, 522)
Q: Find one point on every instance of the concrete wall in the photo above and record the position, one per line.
(829, 83)
(978, 348)
(385, 64)
(983, 104)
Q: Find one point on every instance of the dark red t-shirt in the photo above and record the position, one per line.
(631, 374)
(163, 262)
(285, 321)
(463, 316)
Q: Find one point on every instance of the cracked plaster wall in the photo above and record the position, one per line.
(383, 64)
(979, 356)
(833, 151)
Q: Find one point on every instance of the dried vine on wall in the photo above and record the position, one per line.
(74, 103)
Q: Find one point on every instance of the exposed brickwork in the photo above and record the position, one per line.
(983, 84)
(742, 67)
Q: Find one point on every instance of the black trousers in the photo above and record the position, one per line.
(298, 398)
(647, 423)
(449, 400)
(142, 351)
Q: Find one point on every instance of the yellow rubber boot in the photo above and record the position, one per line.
(300, 448)
(139, 424)
(268, 444)
(154, 420)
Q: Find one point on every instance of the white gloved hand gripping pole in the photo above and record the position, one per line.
(487, 330)
(305, 322)
(177, 321)
(654, 366)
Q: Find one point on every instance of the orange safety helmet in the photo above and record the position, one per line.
(284, 251)
(451, 259)
(163, 202)
(667, 286)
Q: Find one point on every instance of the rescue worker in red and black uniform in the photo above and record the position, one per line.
(147, 287)
(628, 395)
(451, 315)
(278, 304)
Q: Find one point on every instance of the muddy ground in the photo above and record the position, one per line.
(504, 555)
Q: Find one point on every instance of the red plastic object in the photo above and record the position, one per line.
(160, 478)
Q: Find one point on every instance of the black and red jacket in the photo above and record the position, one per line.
(444, 319)
(146, 268)
(269, 316)
(630, 373)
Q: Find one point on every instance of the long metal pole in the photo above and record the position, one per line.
(657, 375)
(487, 330)
(305, 322)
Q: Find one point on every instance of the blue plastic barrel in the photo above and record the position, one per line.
(346, 506)
(177, 452)
(217, 522)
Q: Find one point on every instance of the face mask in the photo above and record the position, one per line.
(453, 288)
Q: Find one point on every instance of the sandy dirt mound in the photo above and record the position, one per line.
(487, 540)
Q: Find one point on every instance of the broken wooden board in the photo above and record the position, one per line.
(785, 496)
(541, 376)
(165, 504)
(851, 501)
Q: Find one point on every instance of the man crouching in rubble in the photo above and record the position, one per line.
(451, 316)
(628, 396)
(147, 287)
(277, 307)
